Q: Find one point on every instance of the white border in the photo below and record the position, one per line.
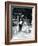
(33, 23)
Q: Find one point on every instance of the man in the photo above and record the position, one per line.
(21, 22)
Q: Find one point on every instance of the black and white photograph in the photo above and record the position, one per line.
(21, 22)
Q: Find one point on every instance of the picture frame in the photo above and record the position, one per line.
(24, 13)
